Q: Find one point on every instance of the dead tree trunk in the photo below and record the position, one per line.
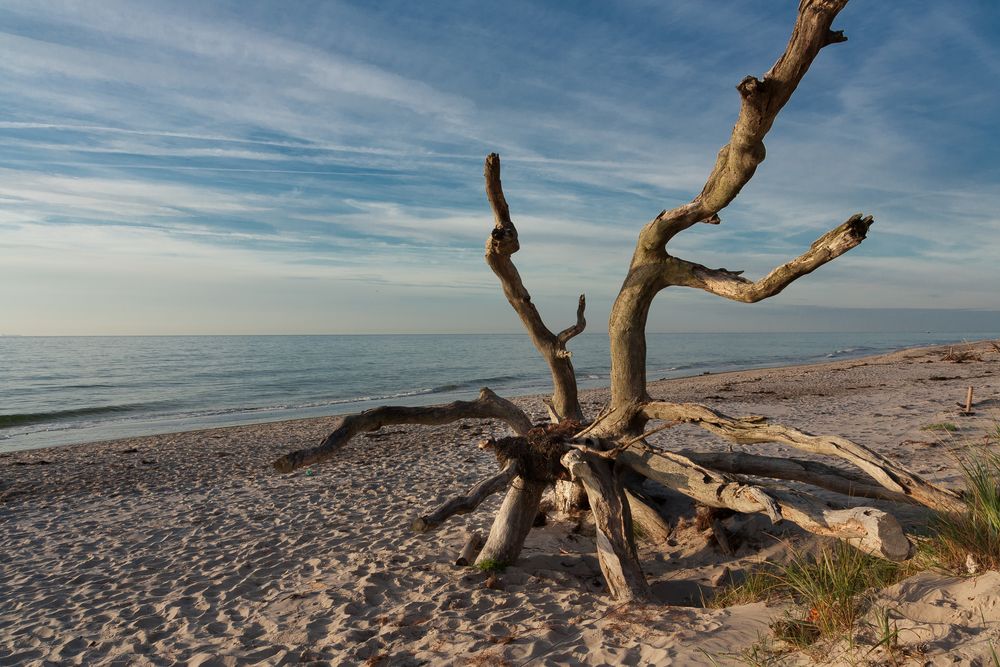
(616, 550)
(512, 523)
(596, 454)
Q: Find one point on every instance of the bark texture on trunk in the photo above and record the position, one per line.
(616, 550)
(512, 523)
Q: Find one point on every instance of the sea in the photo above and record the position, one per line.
(58, 391)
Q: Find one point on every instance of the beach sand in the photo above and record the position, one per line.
(190, 549)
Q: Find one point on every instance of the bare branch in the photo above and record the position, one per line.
(466, 503)
(761, 100)
(706, 486)
(825, 476)
(575, 329)
(828, 247)
(867, 528)
(501, 244)
(487, 406)
(889, 474)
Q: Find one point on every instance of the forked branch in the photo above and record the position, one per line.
(652, 269)
(576, 328)
(501, 244)
(733, 286)
(760, 102)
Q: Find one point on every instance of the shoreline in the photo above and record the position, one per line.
(188, 548)
(61, 415)
(518, 398)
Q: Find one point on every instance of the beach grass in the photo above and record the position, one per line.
(831, 590)
(969, 541)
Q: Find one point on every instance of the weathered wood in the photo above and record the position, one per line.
(473, 543)
(869, 529)
(731, 285)
(513, 521)
(865, 527)
(569, 496)
(599, 468)
(467, 502)
(487, 406)
(649, 522)
(652, 269)
(501, 244)
(846, 482)
(967, 408)
(616, 550)
(889, 474)
(701, 484)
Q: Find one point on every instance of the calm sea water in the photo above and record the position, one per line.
(57, 391)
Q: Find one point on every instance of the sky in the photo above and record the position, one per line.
(316, 166)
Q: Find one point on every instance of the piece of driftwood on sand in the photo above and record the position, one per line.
(602, 452)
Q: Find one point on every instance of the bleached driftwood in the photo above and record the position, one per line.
(889, 474)
(873, 530)
(616, 550)
(846, 482)
(487, 406)
(467, 502)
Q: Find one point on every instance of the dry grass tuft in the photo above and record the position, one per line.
(960, 356)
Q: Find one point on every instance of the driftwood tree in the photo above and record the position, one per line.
(602, 453)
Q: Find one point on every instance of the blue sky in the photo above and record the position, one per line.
(316, 167)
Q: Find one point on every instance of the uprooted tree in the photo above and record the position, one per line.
(605, 455)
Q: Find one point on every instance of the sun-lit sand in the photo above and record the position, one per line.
(189, 549)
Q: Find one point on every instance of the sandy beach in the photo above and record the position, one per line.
(189, 549)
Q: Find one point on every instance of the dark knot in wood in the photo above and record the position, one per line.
(750, 86)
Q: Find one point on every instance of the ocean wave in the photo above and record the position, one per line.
(475, 383)
(849, 351)
(28, 418)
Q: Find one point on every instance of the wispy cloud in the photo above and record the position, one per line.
(340, 146)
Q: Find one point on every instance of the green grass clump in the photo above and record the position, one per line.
(975, 532)
(831, 586)
(833, 582)
(760, 585)
(490, 565)
(941, 426)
